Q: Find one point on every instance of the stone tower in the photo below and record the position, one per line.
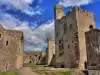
(58, 11)
(50, 51)
(70, 38)
(11, 49)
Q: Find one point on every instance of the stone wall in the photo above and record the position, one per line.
(35, 57)
(93, 72)
(11, 49)
(50, 52)
(70, 38)
(93, 49)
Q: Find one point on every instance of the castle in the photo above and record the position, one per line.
(76, 41)
(35, 57)
(70, 44)
(41, 57)
(11, 49)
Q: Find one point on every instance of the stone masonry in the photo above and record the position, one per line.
(93, 49)
(11, 49)
(35, 57)
(70, 46)
(50, 52)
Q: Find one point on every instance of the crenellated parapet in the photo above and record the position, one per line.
(85, 12)
(58, 12)
(77, 9)
(59, 7)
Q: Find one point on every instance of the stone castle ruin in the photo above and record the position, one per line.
(70, 31)
(50, 53)
(41, 57)
(35, 57)
(77, 44)
(11, 49)
(93, 49)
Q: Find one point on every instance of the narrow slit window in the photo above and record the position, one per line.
(0, 35)
(6, 43)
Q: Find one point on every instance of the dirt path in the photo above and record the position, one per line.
(27, 71)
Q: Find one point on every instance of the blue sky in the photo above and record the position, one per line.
(36, 18)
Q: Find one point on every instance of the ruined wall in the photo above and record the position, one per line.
(85, 19)
(93, 72)
(50, 52)
(70, 37)
(65, 38)
(58, 53)
(93, 49)
(11, 49)
(35, 57)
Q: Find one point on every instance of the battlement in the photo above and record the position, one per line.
(77, 9)
(59, 7)
(82, 11)
(15, 33)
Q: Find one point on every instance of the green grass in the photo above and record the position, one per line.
(64, 73)
(10, 73)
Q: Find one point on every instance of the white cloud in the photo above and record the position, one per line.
(23, 5)
(67, 3)
(34, 40)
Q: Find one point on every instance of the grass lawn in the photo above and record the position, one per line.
(43, 70)
(56, 73)
(49, 71)
(10, 73)
(64, 73)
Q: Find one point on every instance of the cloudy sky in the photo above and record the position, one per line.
(36, 18)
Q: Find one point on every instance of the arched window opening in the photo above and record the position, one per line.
(30, 61)
(91, 27)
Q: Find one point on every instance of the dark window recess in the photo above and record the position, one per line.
(68, 46)
(61, 45)
(36, 55)
(65, 28)
(62, 66)
(59, 41)
(60, 54)
(22, 38)
(0, 35)
(91, 27)
(30, 61)
(6, 43)
(70, 26)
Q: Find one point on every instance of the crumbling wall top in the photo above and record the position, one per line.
(15, 33)
(77, 9)
(83, 11)
(1, 27)
(59, 7)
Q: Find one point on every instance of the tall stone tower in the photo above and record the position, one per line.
(50, 51)
(11, 49)
(58, 11)
(70, 38)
